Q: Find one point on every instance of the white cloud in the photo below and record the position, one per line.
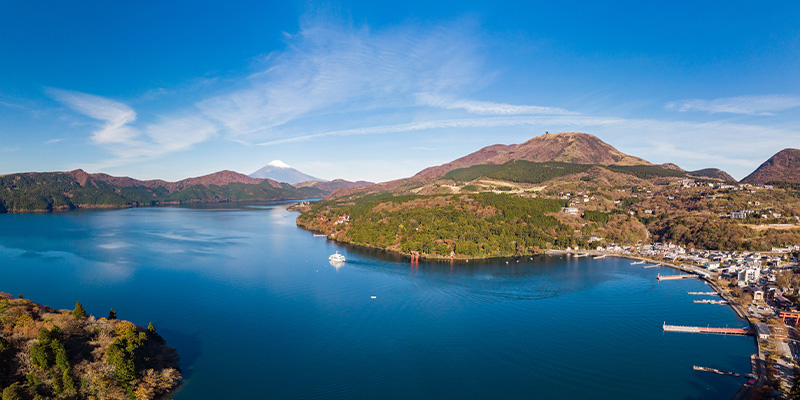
(128, 143)
(115, 115)
(485, 107)
(336, 69)
(749, 105)
(485, 122)
(56, 140)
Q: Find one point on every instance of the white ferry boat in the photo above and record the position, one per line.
(337, 258)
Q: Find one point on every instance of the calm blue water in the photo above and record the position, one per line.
(255, 311)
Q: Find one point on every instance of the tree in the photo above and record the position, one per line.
(79, 311)
(13, 392)
(6, 355)
(112, 314)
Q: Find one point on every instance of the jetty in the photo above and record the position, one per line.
(638, 262)
(600, 256)
(714, 370)
(320, 235)
(702, 329)
(651, 266)
(674, 277)
(581, 255)
(711, 301)
(704, 293)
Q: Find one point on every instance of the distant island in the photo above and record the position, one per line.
(63, 354)
(560, 191)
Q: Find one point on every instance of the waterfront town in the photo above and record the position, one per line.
(762, 287)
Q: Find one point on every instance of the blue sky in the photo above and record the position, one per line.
(363, 90)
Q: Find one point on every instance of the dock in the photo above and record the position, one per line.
(651, 266)
(674, 277)
(711, 301)
(702, 329)
(714, 370)
(581, 255)
(704, 293)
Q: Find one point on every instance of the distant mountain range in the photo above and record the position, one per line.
(554, 158)
(49, 191)
(282, 172)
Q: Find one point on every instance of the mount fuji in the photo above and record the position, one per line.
(282, 172)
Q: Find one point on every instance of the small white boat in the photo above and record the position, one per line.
(637, 262)
(337, 258)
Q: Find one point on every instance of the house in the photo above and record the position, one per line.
(758, 295)
(712, 265)
(570, 210)
(763, 330)
(342, 219)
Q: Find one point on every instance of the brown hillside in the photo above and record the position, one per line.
(570, 147)
(783, 167)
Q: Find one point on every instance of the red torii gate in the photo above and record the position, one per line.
(795, 315)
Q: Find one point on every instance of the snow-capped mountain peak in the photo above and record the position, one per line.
(278, 164)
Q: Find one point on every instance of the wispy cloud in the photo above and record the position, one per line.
(485, 107)
(749, 105)
(466, 123)
(333, 68)
(129, 143)
(9, 149)
(56, 140)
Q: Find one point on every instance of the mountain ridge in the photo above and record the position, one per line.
(782, 167)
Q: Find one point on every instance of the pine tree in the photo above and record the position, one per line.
(79, 311)
(112, 314)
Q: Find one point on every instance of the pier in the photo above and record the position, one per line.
(711, 301)
(701, 329)
(714, 370)
(651, 266)
(674, 277)
(704, 293)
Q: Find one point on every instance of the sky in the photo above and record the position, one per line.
(366, 90)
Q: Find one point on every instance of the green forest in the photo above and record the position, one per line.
(464, 226)
(521, 171)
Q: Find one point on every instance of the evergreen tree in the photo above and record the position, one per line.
(79, 311)
(112, 314)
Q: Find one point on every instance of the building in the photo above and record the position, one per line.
(570, 210)
(758, 295)
(763, 330)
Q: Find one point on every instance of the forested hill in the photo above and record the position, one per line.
(476, 225)
(63, 354)
(49, 191)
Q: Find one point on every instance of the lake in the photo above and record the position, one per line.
(256, 311)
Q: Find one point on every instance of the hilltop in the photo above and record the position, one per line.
(565, 147)
(63, 354)
(552, 155)
(783, 167)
